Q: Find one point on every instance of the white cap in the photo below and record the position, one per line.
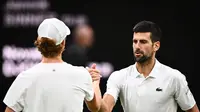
(53, 28)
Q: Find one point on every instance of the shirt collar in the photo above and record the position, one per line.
(154, 73)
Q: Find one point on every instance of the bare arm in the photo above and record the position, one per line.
(193, 109)
(9, 110)
(107, 103)
(95, 103)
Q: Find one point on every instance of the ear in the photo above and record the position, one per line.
(63, 43)
(156, 45)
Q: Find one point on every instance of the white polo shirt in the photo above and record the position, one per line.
(55, 87)
(161, 91)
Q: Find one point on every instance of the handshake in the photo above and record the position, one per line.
(95, 73)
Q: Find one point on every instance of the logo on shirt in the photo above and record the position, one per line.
(187, 90)
(158, 89)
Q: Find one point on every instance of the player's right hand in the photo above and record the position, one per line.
(95, 73)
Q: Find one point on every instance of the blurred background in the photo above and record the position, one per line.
(101, 33)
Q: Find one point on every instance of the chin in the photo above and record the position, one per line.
(141, 59)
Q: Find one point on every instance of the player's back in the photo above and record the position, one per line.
(57, 87)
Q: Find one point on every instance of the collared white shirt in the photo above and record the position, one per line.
(161, 91)
(50, 87)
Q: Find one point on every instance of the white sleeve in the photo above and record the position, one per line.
(14, 98)
(183, 95)
(88, 87)
(113, 85)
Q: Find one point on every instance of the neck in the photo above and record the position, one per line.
(52, 60)
(146, 67)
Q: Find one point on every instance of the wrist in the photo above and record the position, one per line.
(96, 83)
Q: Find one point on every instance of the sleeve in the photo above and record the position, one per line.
(183, 95)
(113, 85)
(14, 98)
(88, 87)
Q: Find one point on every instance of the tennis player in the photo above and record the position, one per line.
(52, 85)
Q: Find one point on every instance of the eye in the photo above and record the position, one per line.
(134, 41)
(143, 41)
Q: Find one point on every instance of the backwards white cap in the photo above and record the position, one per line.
(53, 28)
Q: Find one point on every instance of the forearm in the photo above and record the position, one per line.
(97, 94)
(104, 107)
(9, 109)
(95, 103)
(193, 109)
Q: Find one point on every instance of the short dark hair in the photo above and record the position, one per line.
(48, 47)
(148, 26)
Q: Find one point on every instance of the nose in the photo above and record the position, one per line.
(136, 45)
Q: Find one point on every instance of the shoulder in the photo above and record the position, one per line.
(122, 73)
(172, 72)
(80, 71)
(32, 67)
(29, 71)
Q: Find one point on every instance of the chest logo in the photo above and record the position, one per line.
(158, 89)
